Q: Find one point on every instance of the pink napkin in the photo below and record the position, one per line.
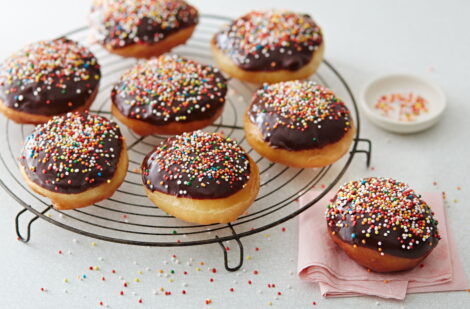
(322, 261)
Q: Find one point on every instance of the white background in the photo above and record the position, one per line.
(364, 39)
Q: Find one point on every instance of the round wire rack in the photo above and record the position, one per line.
(128, 217)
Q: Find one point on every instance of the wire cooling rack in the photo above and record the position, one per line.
(128, 217)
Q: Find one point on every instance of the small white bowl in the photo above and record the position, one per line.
(403, 83)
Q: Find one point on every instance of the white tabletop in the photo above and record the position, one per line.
(363, 39)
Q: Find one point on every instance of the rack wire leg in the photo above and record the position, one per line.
(28, 229)
(367, 151)
(240, 245)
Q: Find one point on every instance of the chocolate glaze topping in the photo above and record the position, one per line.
(49, 77)
(299, 115)
(196, 165)
(385, 215)
(120, 23)
(270, 40)
(168, 89)
(72, 153)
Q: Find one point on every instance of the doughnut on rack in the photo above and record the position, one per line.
(128, 217)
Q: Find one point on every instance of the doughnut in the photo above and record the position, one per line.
(298, 124)
(75, 160)
(169, 95)
(201, 178)
(269, 47)
(48, 78)
(142, 28)
(382, 224)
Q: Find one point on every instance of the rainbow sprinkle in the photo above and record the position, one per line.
(402, 106)
(170, 88)
(301, 104)
(124, 22)
(379, 209)
(198, 160)
(61, 69)
(259, 33)
(72, 152)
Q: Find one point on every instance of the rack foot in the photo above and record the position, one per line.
(28, 228)
(367, 151)
(240, 245)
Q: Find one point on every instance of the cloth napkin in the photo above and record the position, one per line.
(321, 260)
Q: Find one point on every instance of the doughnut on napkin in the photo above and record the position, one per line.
(320, 260)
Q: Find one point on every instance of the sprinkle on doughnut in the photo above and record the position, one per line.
(197, 165)
(72, 153)
(121, 23)
(301, 109)
(270, 40)
(383, 214)
(49, 77)
(170, 88)
(300, 104)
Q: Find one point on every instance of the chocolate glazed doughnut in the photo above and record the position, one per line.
(169, 95)
(299, 124)
(382, 224)
(48, 78)
(269, 46)
(201, 178)
(142, 28)
(75, 160)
